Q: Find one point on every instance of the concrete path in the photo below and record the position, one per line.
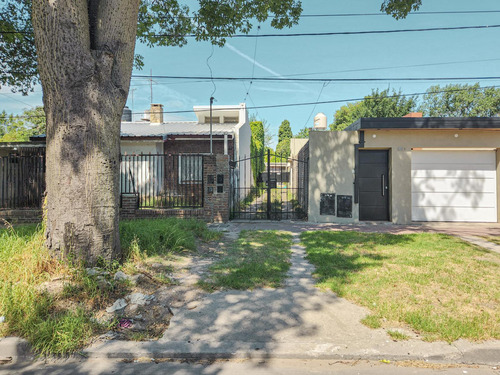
(296, 321)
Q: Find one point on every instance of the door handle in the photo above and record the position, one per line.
(383, 185)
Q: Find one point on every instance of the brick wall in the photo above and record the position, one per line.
(175, 146)
(21, 216)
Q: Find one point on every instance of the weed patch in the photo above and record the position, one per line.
(60, 322)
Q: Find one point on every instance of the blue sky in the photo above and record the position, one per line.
(457, 53)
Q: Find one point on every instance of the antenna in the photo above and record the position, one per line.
(151, 84)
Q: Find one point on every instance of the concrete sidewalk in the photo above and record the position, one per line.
(296, 321)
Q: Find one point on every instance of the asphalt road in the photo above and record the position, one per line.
(145, 366)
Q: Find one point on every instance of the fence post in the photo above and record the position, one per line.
(269, 184)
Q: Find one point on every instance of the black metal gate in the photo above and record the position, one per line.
(270, 187)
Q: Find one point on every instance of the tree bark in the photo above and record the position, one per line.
(85, 52)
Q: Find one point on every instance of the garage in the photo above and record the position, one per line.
(453, 185)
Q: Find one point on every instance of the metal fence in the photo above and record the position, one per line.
(160, 181)
(163, 181)
(22, 181)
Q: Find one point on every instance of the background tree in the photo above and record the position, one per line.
(257, 149)
(82, 52)
(284, 136)
(20, 128)
(461, 101)
(378, 104)
(303, 133)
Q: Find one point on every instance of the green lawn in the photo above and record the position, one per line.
(257, 259)
(435, 284)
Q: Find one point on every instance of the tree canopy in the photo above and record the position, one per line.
(160, 22)
(378, 104)
(21, 128)
(461, 101)
(284, 136)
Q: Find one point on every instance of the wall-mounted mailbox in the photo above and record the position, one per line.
(327, 204)
(344, 206)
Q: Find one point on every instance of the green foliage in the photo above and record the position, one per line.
(21, 128)
(303, 133)
(378, 104)
(257, 148)
(284, 136)
(461, 101)
(257, 259)
(400, 8)
(160, 23)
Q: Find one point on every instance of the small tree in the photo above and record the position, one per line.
(303, 133)
(284, 136)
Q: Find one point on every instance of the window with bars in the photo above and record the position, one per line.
(190, 169)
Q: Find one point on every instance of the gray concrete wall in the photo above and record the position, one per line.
(331, 165)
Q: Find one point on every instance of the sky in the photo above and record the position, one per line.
(441, 54)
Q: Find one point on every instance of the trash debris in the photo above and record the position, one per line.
(2, 319)
(385, 361)
(125, 323)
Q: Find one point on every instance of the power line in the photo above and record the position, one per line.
(286, 79)
(412, 13)
(317, 34)
(305, 103)
(345, 32)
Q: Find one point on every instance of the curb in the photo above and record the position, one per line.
(485, 355)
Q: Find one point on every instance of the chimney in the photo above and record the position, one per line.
(156, 114)
(414, 114)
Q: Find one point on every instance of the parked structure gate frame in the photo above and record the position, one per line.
(280, 191)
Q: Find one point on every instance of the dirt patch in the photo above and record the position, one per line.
(160, 288)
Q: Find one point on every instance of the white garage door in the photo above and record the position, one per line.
(454, 186)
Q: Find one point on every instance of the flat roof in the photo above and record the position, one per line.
(426, 123)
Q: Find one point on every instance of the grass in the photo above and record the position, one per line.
(257, 259)
(437, 285)
(62, 322)
(398, 336)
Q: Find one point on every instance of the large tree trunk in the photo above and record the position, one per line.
(85, 53)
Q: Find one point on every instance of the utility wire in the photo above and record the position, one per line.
(319, 96)
(306, 103)
(346, 32)
(318, 34)
(253, 66)
(286, 79)
(410, 14)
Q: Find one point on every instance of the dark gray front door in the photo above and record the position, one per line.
(374, 185)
